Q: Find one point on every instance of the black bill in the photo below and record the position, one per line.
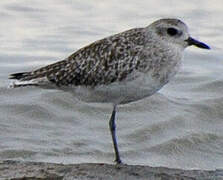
(197, 43)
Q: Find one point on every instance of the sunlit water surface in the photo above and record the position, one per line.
(181, 126)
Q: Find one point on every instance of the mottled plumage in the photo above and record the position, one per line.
(105, 61)
(118, 69)
(101, 62)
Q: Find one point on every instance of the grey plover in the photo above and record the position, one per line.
(118, 69)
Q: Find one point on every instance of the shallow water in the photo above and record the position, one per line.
(181, 126)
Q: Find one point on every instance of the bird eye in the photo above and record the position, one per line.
(172, 31)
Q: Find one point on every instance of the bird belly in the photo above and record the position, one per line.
(120, 92)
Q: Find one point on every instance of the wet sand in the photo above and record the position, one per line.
(15, 170)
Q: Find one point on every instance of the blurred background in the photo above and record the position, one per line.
(181, 126)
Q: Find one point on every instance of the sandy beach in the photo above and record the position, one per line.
(15, 170)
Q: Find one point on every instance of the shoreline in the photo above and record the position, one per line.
(19, 170)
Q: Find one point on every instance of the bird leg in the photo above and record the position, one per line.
(112, 127)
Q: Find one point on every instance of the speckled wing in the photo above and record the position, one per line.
(102, 62)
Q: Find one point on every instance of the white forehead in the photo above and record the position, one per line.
(166, 23)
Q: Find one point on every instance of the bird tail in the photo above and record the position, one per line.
(20, 76)
(23, 79)
(39, 77)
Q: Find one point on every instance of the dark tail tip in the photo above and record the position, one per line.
(18, 76)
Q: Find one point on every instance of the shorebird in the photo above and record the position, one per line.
(118, 69)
